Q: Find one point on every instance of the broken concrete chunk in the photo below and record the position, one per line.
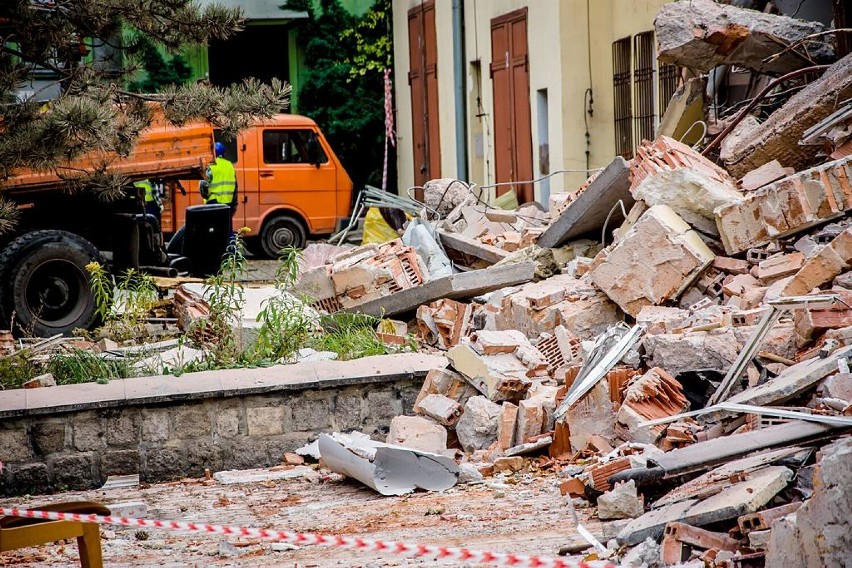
(588, 210)
(701, 34)
(691, 193)
(478, 426)
(45, 380)
(502, 376)
(621, 502)
(390, 470)
(746, 496)
(685, 108)
(508, 421)
(777, 138)
(440, 408)
(443, 195)
(780, 266)
(417, 433)
(593, 414)
(822, 530)
(654, 262)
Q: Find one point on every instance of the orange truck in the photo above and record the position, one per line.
(290, 183)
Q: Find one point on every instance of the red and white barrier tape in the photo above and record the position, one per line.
(355, 543)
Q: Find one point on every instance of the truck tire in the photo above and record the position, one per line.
(281, 232)
(45, 283)
(175, 244)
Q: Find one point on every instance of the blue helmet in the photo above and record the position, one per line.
(220, 149)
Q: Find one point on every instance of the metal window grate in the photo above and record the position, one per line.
(644, 107)
(621, 90)
(668, 83)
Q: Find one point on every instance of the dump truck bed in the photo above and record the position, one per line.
(162, 151)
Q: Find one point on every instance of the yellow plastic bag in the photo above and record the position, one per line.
(376, 230)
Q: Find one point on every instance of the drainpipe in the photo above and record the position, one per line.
(459, 82)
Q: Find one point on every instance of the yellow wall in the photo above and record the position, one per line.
(558, 42)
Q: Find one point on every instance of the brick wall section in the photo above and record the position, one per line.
(78, 447)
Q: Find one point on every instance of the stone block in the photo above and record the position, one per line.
(417, 433)
(14, 445)
(73, 472)
(155, 424)
(621, 502)
(267, 420)
(122, 427)
(478, 425)
(88, 432)
(119, 462)
(658, 258)
(228, 422)
(192, 421)
(49, 436)
(383, 405)
(347, 412)
(29, 479)
(163, 464)
(201, 455)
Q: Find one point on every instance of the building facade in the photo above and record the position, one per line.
(496, 91)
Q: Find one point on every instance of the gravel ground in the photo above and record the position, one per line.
(522, 513)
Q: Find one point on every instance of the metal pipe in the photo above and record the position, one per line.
(166, 271)
(743, 113)
(459, 80)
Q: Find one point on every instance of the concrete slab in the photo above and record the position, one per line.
(455, 287)
(588, 212)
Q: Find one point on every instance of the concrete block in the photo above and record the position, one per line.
(654, 262)
(440, 408)
(588, 210)
(417, 433)
(621, 502)
(477, 428)
(701, 34)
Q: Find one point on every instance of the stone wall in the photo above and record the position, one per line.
(174, 437)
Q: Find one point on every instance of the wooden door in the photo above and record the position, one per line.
(423, 80)
(513, 160)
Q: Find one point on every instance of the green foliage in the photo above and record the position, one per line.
(159, 72)
(351, 336)
(17, 369)
(80, 366)
(125, 306)
(343, 93)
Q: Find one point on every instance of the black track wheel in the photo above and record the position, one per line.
(281, 232)
(45, 282)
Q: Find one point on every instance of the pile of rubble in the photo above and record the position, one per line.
(688, 373)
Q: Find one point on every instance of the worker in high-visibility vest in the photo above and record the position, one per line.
(153, 203)
(221, 183)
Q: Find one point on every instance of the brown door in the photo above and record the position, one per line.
(510, 76)
(423, 79)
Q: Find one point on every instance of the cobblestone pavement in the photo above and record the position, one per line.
(522, 513)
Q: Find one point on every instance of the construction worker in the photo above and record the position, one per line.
(153, 204)
(221, 183)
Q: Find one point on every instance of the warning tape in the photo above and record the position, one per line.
(354, 543)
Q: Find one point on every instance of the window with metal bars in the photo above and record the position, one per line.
(644, 102)
(667, 83)
(623, 111)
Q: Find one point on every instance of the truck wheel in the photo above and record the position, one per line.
(45, 282)
(175, 244)
(281, 232)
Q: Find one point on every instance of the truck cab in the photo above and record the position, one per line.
(291, 185)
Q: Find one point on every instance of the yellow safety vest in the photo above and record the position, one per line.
(149, 190)
(223, 182)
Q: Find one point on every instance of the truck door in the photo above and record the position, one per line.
(290, 176)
